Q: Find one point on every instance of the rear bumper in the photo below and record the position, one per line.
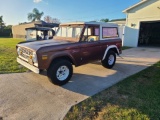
(27, 65)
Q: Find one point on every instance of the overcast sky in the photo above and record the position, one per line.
(15, 11)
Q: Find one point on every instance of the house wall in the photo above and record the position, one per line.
(18, 31)
(148, 11)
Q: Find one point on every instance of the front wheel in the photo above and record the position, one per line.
(60, 72)
(109, 60)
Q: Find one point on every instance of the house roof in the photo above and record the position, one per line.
(90, 23)
(39, 28)
(41, 22)
(142, 1)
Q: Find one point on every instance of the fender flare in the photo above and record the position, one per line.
(64, 55)
(108, 48)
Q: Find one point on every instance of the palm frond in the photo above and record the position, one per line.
(35, 11)
(35, 15)
(30, 16)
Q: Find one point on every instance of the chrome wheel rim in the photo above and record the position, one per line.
(62, 73)
(111, 60)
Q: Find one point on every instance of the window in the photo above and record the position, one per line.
(97, 31)
(64, 32)
(87, 31)
(50, 33)
(91, 34)
(31, 35)
(59, 31)
(109, 32)
(77, 32)
(71, 32)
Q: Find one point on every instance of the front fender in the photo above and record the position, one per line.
(56, 55)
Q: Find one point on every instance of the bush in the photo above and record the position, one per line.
(6, 33)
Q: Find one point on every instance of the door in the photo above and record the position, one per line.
(90, 51)
(149, 33)
(90, 46)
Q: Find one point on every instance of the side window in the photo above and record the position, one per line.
(91, 34)
(59, 32)
(69, 31)
(87, 31)
(64, 31)
(31, 35)
(109, 32)
(77, 32)
(97, 31)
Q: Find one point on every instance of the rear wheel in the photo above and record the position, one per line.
(60, 72)
(110, 59)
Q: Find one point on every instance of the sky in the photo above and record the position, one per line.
(16, 11)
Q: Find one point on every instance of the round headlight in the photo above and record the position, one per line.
(34, 57)
(18, 50)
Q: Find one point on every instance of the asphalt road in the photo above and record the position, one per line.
(28, 96)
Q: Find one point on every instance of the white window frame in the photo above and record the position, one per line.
(101, 32)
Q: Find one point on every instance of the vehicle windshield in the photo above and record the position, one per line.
(69, 32)
(33, 35)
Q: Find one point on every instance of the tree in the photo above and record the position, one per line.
(2, 24)
(35, 15)
(104, 20)
(8, 27)
(49, 19)
(55, 20)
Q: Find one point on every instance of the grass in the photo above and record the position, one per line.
(8, 56)
(135, 98)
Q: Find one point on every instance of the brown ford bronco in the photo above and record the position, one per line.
(75, 43)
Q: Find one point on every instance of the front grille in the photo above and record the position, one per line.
(25, 53)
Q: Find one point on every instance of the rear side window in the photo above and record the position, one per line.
(109, 32)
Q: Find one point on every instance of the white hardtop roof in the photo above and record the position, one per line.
(90, 23)
(142, 1)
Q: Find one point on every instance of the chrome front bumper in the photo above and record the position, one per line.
(29, 66)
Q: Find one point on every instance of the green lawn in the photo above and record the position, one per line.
(8, 56)
(135, 98)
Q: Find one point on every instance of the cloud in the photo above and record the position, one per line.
(37, 1)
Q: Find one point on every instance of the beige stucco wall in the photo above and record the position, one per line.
(18, 31)
(148, 11)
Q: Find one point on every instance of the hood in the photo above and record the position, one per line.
(38, 44)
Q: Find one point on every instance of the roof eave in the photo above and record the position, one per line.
(126, 10)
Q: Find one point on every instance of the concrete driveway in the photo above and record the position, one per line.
(27, 96)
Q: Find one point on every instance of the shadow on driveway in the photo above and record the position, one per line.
(92, 78)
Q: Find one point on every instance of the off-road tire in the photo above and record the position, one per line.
(105, 62)
(53, 69)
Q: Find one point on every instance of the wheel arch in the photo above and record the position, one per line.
(63, 57)
(111, 47)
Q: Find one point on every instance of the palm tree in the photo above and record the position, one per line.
(35, 15)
